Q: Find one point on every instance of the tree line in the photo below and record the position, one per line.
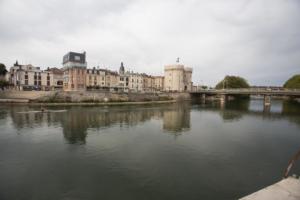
(240, 82)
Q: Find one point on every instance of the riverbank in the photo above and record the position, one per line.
(89, 98)
(288, 189)
(18, 102)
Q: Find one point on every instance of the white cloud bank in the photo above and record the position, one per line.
(256, 39)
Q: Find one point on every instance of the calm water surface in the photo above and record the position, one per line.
(175, 151)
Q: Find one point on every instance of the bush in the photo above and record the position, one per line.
(3, 84)
(232, 82)
(293, 82)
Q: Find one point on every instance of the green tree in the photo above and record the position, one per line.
(3, 70)
(3, 84)
(293, 82)
(232, 82)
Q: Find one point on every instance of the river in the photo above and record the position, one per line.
(174, 151)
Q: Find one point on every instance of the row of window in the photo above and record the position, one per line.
(95, 78)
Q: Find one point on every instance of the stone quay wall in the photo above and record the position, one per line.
(91, 96)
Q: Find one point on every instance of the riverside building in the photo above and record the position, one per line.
(74, 68)
(159, 83)
(102, 79)
(28, 77)
(178, 78)
(74, 76)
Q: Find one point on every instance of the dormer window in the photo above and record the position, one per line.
(77, 58)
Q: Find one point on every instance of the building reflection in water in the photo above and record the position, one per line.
(175, 117)
(76, 121)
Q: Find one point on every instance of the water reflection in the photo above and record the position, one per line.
(235, 110)
(76, 121)
(175, 118)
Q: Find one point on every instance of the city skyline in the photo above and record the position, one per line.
(257, 40)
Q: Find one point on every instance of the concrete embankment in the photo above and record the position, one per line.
(89, 97)
(288, 189)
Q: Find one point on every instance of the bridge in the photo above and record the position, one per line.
(266, 93)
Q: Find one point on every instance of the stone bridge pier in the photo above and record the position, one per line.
(267, 100)
(203, 96)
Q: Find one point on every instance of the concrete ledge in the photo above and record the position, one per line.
(287, 189)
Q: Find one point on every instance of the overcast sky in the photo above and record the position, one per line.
(256, 39)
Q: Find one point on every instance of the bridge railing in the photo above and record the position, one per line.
(248, 89)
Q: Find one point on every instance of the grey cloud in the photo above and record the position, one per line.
(257, 39)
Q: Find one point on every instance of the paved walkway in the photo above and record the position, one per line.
(287, 189)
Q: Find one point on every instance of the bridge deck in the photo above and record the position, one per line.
(295, 92)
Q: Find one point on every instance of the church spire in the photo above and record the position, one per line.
(122, 69)
(16, 64)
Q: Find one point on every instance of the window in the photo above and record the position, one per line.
(77, 58)
(26, 82)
